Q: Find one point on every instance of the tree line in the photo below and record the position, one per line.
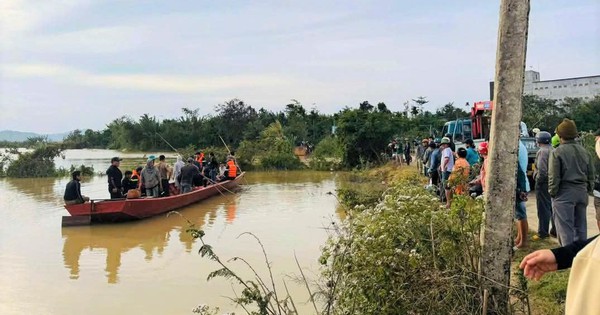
(361, 133)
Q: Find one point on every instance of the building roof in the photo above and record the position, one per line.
(575, 78)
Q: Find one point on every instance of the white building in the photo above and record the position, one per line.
(585, 88)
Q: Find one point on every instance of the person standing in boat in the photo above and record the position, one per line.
(177, 171)
(150, 178)
(73, 194)
(188, 173)
(165, 173)
(115, 177)
(213, 165)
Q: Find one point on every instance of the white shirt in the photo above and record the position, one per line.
(447, 153)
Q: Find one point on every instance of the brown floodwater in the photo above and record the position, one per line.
(152, 266)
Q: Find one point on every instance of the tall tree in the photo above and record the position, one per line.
(234, 116)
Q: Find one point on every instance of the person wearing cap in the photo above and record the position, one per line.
(73, 194)
(420, 153)
(446, 167)
(150, 178)
(542, 197)
(452, 145)
(570, 179)
(582, 256)
(555, 140)
(115, 178)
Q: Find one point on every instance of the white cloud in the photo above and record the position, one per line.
(91, 41)
(20, 17)
(146, 82)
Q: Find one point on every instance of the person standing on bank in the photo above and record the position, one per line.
(150, 178)
(165, 173)
(543, 200)
(115, 177)
(570, 179)
(447, 165)
(420, 153)
(73, 194)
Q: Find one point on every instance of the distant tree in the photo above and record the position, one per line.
(419, 107)
(295, 122)
(233, 117)
(587, 115)
(542, 113)
(450, 112)
(382, 107)
(365, 106)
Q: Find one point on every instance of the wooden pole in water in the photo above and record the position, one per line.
(504, 142)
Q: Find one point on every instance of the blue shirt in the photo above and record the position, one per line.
(435, 160)
(472, 156)
(523, 160)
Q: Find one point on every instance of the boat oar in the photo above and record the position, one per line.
(77, 220)
(217, 185)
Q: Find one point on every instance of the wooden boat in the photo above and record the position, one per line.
(118, 210)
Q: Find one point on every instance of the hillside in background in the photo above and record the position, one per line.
(12, 135)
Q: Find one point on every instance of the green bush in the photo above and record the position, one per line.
(87, 171)
(37, 163)
(406, 255)
(328, 155)
(273, 150)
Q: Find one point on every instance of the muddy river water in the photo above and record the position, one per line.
(152, 266)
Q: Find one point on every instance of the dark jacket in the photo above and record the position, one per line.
(565, 255)
(114, 177)
(73, 191)
(129, 184)
(541, 164)
(570, 166)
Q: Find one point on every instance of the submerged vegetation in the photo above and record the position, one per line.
(37, 162)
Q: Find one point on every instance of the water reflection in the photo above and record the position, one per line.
(40, 189)
(152, 235)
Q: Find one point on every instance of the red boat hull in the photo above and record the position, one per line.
(135, 209)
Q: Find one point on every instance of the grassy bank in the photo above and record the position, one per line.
(373, 187)
(547, 296)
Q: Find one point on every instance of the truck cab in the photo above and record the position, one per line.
(477, 127)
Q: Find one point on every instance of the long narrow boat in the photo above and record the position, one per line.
(108, 211)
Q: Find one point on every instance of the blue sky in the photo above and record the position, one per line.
(80, 64)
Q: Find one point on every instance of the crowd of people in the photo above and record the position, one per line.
(566, 174)
(563, 172)
(154, 180)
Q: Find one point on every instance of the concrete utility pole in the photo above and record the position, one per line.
(502, 165)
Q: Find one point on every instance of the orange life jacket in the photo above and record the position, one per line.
(232, 169)
(200, 158)
(135, 173)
